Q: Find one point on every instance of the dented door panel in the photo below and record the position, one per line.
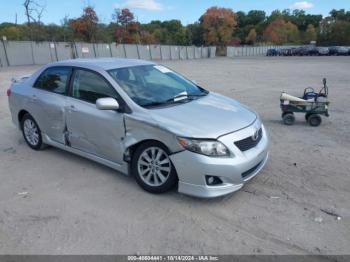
(98, 132)
(48, 108)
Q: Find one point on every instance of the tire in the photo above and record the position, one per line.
(31, 132)
(288, 119)
(161, 175)
(285, 113)
(314, 120)
(307, 115)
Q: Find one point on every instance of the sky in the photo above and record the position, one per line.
(188, 11)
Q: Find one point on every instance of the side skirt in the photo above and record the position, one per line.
(121, 168)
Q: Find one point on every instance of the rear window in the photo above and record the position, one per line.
(54, 80)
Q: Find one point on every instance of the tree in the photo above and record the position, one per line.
(310, 34)
(128, 31)
(219, 25)
(11, 32)
(301, 19)
(340, 15)
(33, 11)
(276, 14)
(147, 38)
(334, 32)
(255, 17)
(175, 32)
(85, 27)
(293, 35)
(281, 32)
(123, 17)
(251, 37)
(195, 34)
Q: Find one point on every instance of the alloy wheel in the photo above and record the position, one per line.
(154, 166)
(31, 132)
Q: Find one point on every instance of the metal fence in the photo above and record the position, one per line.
(237, 51)
(14, 53)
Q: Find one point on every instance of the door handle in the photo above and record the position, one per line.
(72, 108)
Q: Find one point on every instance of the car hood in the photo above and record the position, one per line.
(207, 117)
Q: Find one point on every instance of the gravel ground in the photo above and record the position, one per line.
(53, 202)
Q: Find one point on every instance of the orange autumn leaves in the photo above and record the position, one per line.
(219, 25)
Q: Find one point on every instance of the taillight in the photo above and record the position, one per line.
(8, 92)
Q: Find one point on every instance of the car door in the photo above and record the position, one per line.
(47, 101)
(98, 132)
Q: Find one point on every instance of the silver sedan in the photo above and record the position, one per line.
(142, 119)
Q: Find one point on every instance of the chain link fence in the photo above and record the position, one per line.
(15, 53)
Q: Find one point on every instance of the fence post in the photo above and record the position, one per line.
(74, 50)
(138, 51)
(55, 43)
(32, 51)
(93, 47)
(5, 51)
(150, 53)
(110, 49)
(161, 53)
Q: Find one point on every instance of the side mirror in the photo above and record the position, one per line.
(107, 103)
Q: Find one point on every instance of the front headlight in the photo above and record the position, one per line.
(204, 147)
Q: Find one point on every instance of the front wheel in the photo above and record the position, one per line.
(314, 120)
(152, 168)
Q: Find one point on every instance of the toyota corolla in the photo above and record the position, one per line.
(143, 119)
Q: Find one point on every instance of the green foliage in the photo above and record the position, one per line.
(251, 38)
(310, 34)
(334, 32)
(218, 26)
(280, 32)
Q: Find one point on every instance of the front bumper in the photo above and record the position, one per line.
(233, 171)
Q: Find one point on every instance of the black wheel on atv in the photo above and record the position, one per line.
(307, 115)
(285, 113)
(314, 120)
(288, 118)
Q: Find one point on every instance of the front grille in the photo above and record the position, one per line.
(248, 143)
(250, 171)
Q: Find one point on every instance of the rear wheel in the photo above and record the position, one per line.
(314, 120)
(288, 119)
(31, 132)
(152, 168)
(307, 115)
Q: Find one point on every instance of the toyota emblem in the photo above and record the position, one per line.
(256, 135)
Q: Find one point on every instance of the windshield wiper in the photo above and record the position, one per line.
(155, 104)
(175, 99)
(161, 103)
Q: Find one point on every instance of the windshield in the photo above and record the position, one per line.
(155, 85)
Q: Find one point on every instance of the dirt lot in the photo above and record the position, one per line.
(53, 202)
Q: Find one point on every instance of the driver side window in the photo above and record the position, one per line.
(89, 86)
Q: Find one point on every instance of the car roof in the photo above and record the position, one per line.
(102, 63)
